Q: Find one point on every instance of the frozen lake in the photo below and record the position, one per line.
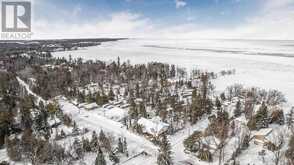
(266, 64)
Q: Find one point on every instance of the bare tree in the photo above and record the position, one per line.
(276, 147)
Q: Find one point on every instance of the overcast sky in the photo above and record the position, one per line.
(245, 19)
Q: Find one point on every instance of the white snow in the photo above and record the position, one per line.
(29, 91)
(153, 126)
(115, 113)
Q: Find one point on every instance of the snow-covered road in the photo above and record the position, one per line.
(92, 121)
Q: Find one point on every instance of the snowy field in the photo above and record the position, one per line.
(266, 64)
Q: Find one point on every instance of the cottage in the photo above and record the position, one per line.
(261, 137)
(153, 127)
(87, 106)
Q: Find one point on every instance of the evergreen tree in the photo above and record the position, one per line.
(196, 107)
(100, 160)
(223, 96)
(104, 141)
(27, 104)
(81, 97)
(142, 110)
(120, 146)
(137, 90)
(164, 157)
(78, 148)
(113, 158)
(125, 147)
(218, 104)
(237, 111)
(6, 120)
(94, 141)
(86, 145)
(262, 117)
(75, 129)
(173, 71)
(133, 112)
(111, 94)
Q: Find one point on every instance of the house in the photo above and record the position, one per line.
(88, 106)
(91, 106)
(261, 137)
(153, 127)
(117, 103)
(187, 92)
(124, 106)
(81, 105)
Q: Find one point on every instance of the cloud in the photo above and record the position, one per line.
(180, 3)
(277, 4)
(275, 20)
(121, 24)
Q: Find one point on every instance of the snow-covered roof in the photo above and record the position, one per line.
(262, 132)
(91, 106)
(125, 105)
(51, 122)
(81, 105)
(153, 126)
(88, 106)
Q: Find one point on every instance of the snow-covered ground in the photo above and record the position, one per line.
(29, 91)
(266, 64)
(177, 142)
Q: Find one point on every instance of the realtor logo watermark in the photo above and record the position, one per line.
(16, 20)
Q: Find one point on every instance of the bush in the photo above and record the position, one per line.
(192, 143)
(205, 155)
(277, 117)
(252, 123)
(4, 163)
